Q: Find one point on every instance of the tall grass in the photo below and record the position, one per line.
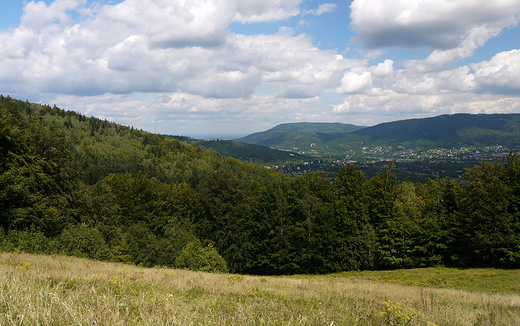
(484, 280)
(56, 290)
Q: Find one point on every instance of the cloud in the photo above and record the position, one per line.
(353, 82)
(322, 8)
(37, 15)
(163, 47)
(255, 11)
(437, 24)
(381, 105)
(174, 66)
(182, 113)
(476, 38)
(172, 23)
(383, 69)
(452, 29)
(501, 75)
(227, 84)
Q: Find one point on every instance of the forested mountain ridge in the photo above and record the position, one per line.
(300, 127)
(296, 135)
(445, 131)
(81, 186)
(450, 130)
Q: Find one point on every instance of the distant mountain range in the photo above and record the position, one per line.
(291, 136)
(445, 131)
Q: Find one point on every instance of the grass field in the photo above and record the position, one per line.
(57, 290)
(493, 281)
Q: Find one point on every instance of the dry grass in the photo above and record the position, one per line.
(55, 290)
(484, 280)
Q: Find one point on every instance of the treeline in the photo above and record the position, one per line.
(83, 186)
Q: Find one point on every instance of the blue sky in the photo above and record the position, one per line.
(241, 66)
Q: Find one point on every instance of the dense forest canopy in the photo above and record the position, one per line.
(83, 186)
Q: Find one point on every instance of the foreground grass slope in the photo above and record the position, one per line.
(58, 290)
(483, 280)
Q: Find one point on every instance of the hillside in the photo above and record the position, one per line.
(250, 152)
(295, 135)
(445, 131)
(245, 152)
(449, 130)
(305, 127)
(86, 187)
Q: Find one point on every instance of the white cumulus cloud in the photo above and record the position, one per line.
(500, 75)
(437, 24)
(163, 62)
(159, 46)
(353, 82)
(378, 105)
(454, 29)
(383, 69)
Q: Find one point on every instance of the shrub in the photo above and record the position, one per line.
(84, 241)
(140, 244)
(198, 258)
(27, 241)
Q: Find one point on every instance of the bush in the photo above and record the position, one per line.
(27, 241)
(84, 241)
(140, 244)
(198, 258)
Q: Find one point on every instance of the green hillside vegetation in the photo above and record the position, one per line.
(283, 139)
(301, 135)
(318, 127)
(305, 127)
(58, 290)
(448, 131)
(445, 131)
(250, 152)
(86, 187)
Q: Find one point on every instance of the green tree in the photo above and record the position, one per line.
(142, 245)
(512, 179)
(381, 192)
(400, 234)
(487, 225)
(38, 173)
(356, 238)
(83, 241)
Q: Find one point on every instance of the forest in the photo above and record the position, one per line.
(86, 187)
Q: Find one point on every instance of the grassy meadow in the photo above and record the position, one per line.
(58, 290)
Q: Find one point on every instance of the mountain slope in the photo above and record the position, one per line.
(287, 130)
(249, 152)
(449, 130)
(445, 131)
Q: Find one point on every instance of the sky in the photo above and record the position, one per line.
(194, 67)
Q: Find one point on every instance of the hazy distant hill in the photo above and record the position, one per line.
(291, 135)
(442, 131)
(249, 152)
(243, 151)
